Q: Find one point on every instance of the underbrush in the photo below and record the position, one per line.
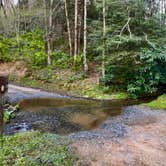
(67, 81)
(35, 149)
(140, 73)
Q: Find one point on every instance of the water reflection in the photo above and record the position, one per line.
(63, 116)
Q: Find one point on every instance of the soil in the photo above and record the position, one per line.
(135, 138)
(18, 68)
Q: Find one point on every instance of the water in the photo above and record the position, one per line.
(64, 116)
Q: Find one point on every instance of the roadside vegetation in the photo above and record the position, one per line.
(35, 149)
(159, 103)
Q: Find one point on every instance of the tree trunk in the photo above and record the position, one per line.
(49, 37)
(104, 33)
(75, 30)
(1, 116)
(48, 27)
(17, 26)
(79, 33)
(85, 37)
(30, 4)
(68, 28)
(49, 51)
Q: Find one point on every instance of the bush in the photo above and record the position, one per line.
(30, 47)
(6, 53)
(61, 59)
(150, 74)
(144, 73)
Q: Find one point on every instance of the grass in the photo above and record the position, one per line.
(159, 103)
(102, 93)
(67, 81)
(35, 149)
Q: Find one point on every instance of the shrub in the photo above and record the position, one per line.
(143, 73)
(150, 74)
(61, 59)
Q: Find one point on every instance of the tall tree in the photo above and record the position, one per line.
(30, 4)
(104, 35)
(49, 37)
(48, 27)
(7, 7)
(68, 27)
(76, 31)
(85, 38)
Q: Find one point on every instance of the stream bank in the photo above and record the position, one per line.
(60, 114)
(135, 136)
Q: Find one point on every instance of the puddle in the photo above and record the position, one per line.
(64, 116)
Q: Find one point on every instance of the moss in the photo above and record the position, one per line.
(35, 149)
(159, 103)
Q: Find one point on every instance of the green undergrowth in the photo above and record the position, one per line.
(67, 82)
(159, 103)
(35, 149)
(104, 93)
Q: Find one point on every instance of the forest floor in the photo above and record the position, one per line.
(63, 81)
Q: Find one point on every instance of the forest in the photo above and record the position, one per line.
(85, 49)
(122, 43)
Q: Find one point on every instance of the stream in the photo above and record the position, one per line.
(103, 132)
(65, 115)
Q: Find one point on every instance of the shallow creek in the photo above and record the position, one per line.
(64, 116)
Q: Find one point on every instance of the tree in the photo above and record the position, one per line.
(7, 7)
(75, 31)
(104, 35)
(85, 38)
(48, 7)
(68, 27)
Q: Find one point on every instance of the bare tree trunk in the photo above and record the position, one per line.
(7, 7)
(17, 26)
(104, 33)
(49, 39)
(75, 30)
(3, 8)
(30, 4)
(68, 28)
(85, 37)
(1, 116)
(49, 51)
(48, 15)
(79, 33)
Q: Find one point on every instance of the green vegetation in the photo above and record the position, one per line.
(8, 116)
(105, 93)
(136, 55)
(35, 149)
(115, 50)
(9, 112)
(68, 81)
(133, 44)
(159, 103)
